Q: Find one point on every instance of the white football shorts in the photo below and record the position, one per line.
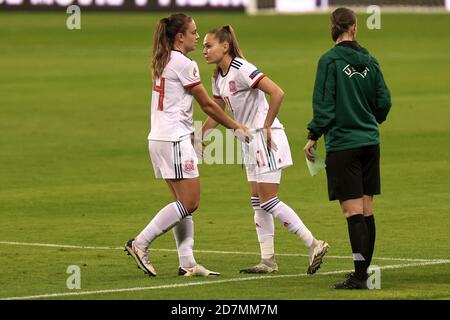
(173, 159)
(264, 165)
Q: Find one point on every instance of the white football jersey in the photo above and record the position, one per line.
(171, 107)
(237, 88)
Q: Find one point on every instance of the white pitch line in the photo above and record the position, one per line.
(52, 245)
(202, 283)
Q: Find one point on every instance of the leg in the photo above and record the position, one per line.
(188, 194)
(358, 233)
(268, 193)
(367, 205)
(346, 184)
(183, 231)
(270, 203)
(172, 191)
(372, 186)
(265, 232)
(171, 214)
(265, 228)
(352, 207)
(370, 222)
(164, 220)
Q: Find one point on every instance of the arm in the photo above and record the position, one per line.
(383, 104)
(323, 104)
(276, 96)
(213, 109)
(211, 123)
(190, 79)
(323, 99)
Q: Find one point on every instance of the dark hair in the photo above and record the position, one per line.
(227, 34)
(164, 38)
(341, 20)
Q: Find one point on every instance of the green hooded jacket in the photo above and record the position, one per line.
(350, 98)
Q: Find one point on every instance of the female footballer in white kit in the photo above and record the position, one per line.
(241, 87)
(176, 80)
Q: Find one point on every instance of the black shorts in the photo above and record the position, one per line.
(353, 173)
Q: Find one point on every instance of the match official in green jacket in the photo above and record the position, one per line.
(350, 100)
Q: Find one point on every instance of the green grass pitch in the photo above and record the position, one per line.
(75, 170)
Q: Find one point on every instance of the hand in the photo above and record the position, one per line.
(242, 134)
(307, 149)
(268, 136)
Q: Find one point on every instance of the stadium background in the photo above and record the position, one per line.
(76, 181)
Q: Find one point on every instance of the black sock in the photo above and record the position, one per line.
(370, 222)
(359, 239)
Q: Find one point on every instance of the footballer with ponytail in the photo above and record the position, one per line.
(176, 81)
(227, 35)
(241, 86)
(164, 40)
(343, 21)
(350, 100)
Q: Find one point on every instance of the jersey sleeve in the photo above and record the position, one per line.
(215, 89)
(324, 106)
(383, 95)
(190, 75)
(250, 75)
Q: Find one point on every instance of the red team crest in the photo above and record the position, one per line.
(194, 72)
(189, 166)
(232, 85)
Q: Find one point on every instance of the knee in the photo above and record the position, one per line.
(349, 214)
(191, 205)
(266, 197)
(352, 207)
(367, 210)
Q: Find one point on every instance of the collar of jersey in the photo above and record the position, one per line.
(220, 70)
(181, 53)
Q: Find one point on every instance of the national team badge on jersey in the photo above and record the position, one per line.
(189, 166)
(194, 72)
(232, 85)
(254, 74)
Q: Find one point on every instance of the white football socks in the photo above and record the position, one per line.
(265, 230)
(290, 219)
(164, 220)
(184, 238)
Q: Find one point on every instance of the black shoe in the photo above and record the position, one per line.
(348, 275)
(351, 282)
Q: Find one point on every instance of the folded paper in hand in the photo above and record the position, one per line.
(318, 164)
